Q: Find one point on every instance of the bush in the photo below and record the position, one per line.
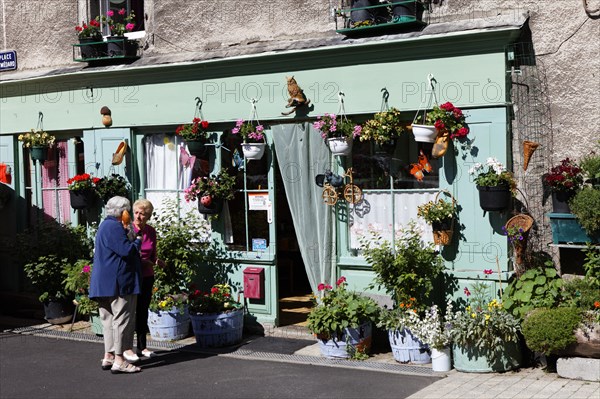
(585, 206)
(408, 273)
(536, 288)
(550, 330)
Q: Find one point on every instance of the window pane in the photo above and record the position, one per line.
(373, 165)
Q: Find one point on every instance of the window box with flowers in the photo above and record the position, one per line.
(485, 336)
(217, 318)
(117, 44)
(90, 44)
(564, 180)
(38, 142)
(211, 191)
(253, 138)
(384, 128)
(338, 132)
(440, 214)
(82, 190)
(495, 185)
(342, 320)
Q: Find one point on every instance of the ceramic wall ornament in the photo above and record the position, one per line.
(106, 116)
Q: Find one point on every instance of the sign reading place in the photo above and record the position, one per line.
(8, 60)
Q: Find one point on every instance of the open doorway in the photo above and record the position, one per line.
(294, 288)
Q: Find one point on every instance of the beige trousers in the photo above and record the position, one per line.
(118, 322)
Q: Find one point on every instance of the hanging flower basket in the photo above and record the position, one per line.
(494, 198)
(340, 145)
(212, 207)
(424, 133)
(253, 151)
(82, 199)
(517, 230)
(39, 153)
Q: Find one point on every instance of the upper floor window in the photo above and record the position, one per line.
(101, 7)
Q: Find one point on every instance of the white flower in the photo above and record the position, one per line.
(475, 168)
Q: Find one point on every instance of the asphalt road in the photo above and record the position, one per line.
(39, 367)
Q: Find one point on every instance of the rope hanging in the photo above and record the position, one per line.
(430, 99)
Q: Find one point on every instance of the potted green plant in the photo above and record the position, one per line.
(90, 39)
(194, 134)
(590, 165)
(253, 138)
(338, 132)
(440, 214)
(217, 318)
(82, 190)
(406, 272)
(47, 251)
(495, 185)
(113, 185)
(38, 142)
(181, 243)
(342, 321)
(485, 336)
(384, 128)
(211, 191)
(585, 205)
(564, 180)
(77, 280)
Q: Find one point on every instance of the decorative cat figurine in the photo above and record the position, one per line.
(297, 97)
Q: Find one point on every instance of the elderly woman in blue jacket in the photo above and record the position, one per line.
(115, 284)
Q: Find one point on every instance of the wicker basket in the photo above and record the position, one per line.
(521, 221)
(444, 237)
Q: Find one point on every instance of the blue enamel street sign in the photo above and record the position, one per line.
(8, 60)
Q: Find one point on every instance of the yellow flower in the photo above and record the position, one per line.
(487, 317)
(163, 304)
(473, 315)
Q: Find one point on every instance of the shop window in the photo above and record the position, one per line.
(170, 168)
(247, 222)
(394, 183)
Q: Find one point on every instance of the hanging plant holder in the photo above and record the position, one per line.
(425, 133)
(254, 151)
(443, 232)
(521, 223)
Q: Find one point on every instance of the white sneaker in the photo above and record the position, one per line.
(131, 358)
(147, 353)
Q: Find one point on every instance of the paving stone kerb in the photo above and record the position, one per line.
(579, 368)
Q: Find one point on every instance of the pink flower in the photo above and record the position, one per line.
(328, 287)
(439, 125)
(86, 269)
(130, 26)
(467, 292)
(122, 11)
(487, 271)
(321, 287)
(110, 13)
(340, 281)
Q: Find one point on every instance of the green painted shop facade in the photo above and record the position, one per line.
(469, 69)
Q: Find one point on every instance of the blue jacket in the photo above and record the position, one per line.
(117, 266)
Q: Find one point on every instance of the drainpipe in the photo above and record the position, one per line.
(3, 26)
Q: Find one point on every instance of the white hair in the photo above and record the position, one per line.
(116, 205)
